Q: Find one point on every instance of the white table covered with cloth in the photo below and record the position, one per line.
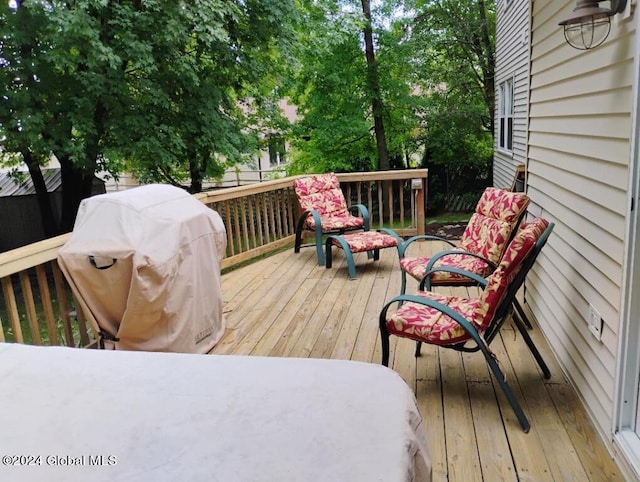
(78, 414)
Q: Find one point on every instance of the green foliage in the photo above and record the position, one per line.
(435, 60)
(333, 133)
(155, 86)
(333, 94)
(454, 42)
(179, 91)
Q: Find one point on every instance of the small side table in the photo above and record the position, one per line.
(371, 241)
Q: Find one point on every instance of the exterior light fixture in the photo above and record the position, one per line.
(14, 4)
(589, 24)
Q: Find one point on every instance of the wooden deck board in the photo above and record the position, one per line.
(287, 305)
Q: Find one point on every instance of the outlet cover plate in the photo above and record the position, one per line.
(595, 322)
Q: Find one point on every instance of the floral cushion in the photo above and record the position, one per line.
(519, 248)
(367, 241)
(422, 323)
(492, 223)
(322, 193)
(416, 267)
(336, 222)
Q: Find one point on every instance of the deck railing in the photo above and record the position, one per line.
(37, 306)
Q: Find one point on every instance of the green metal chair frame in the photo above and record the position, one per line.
(481, 340)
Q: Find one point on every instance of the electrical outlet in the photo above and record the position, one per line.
(595, 322)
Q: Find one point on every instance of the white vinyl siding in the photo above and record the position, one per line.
(578, 158)
(512, 65)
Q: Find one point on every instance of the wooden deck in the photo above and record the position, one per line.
(286, 305)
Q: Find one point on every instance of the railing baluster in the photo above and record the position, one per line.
(12, 309)
(63, 304)
(401, 187)
(380, 203)
(45, 298)
(30, 307)
(391, 201)
(252, 225)
(244, 225)
(227, 217)
(292, 211)
(82, 323)
(278, 213)
(272, 219)
(260, 228)
(265, 216)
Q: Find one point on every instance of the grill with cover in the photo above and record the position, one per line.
(144, 265)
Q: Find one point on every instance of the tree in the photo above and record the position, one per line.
(454, 46)
(154, 84)
(373, 83)
(355, 115)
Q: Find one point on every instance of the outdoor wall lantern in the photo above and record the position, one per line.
(589, 25)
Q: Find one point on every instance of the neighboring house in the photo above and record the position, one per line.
(512, 84)
(580, 146)
(19, 210)
(267, 163)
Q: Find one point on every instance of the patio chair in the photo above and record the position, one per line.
(483, 242)
(471, 324)
(325, 211)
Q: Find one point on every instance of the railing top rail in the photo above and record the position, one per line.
(239, 191)
(31, 255)
(383, 175)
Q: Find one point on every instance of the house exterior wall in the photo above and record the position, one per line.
(512, 61)
(579, 151)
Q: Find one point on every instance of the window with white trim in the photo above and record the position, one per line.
(505, 116)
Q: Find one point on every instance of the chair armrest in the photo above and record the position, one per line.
(402, 249)
(364, 213)
(425, 284)
(441, 254)
(316, 218)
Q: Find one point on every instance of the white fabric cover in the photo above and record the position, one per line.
(160, 252)
(170, 416)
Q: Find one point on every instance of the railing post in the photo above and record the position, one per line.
(421, 210)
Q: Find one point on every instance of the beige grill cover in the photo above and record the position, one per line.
(144, 265)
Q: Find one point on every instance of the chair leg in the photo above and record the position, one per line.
(499, 376)
(299, 229)
(522, 418)
(522, 314)
(533, 349)
(403, 285)
(328, 253)
(384, 335)
(384, 340)
(319, 250)
(418, 347)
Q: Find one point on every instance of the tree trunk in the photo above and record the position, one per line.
(47, 217)
(76, 186)
(197, 171)
(374, 89)
(489, 68)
